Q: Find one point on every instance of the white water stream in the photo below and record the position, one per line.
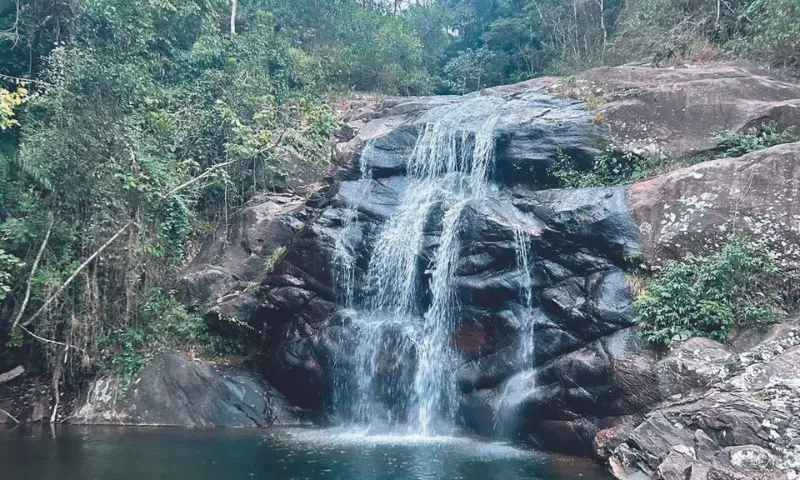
(404, 361)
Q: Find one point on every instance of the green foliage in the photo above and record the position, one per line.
(127, 347)
(473, 69)
(771, 32)
(356, 44)
(676, 31)
(273, 258)
(736, 144)
(135, 99)
(8, 102)
(174, 223)
(711, 296)
(164, 324)
(9, 265)
(614, 166)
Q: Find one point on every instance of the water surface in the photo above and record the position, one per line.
(108, 453)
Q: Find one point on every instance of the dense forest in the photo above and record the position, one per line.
(130, 128)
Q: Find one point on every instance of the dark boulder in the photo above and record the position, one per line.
(221, 278)
(176, 391)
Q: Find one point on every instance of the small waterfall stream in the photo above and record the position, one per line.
(403, 359)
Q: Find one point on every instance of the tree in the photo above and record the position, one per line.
(473, 70)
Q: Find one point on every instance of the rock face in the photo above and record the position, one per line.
(681, 109)
(695, 208)
(579, 297)
(728, 416)
(220, 279)
(176, 391)
(577, 244)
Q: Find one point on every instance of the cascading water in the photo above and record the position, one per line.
(403, 359)
(344, 253)
(524, 381)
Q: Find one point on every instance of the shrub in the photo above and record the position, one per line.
(712, 296)
(273, 258)
(736, 144)
(614, 166)
(771, 32)
(9, 264)
(165, 324)
(473, 70)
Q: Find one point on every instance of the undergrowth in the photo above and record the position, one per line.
(713, 296)
(736, 144)
(165, 324)
(614, 166)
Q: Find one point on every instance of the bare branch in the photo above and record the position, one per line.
(12, 374)
(233, 17)
(25, 80)
(47, 340)
(205, 174)
(111, 240)
(9, 416)
(30, 276)
(74, 275)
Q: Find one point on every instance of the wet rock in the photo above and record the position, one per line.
(579, 296)
(530, 136)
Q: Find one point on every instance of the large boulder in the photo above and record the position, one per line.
(693, 209)
(174, 390)
(681, 109)
(220, 279)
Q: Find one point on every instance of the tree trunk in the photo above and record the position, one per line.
(233, 17)
(603, 24)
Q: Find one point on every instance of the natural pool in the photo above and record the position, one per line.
(108, 453)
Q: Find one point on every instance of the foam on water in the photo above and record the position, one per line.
(349, 437)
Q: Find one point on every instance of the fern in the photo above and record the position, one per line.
(33, 173)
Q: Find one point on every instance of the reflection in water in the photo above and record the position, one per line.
(108, 453)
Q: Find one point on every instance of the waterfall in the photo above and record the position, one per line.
(525, 381)
(403, 358)
(344, 253)
(526, 348)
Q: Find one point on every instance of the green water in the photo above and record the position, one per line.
(108, 453)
